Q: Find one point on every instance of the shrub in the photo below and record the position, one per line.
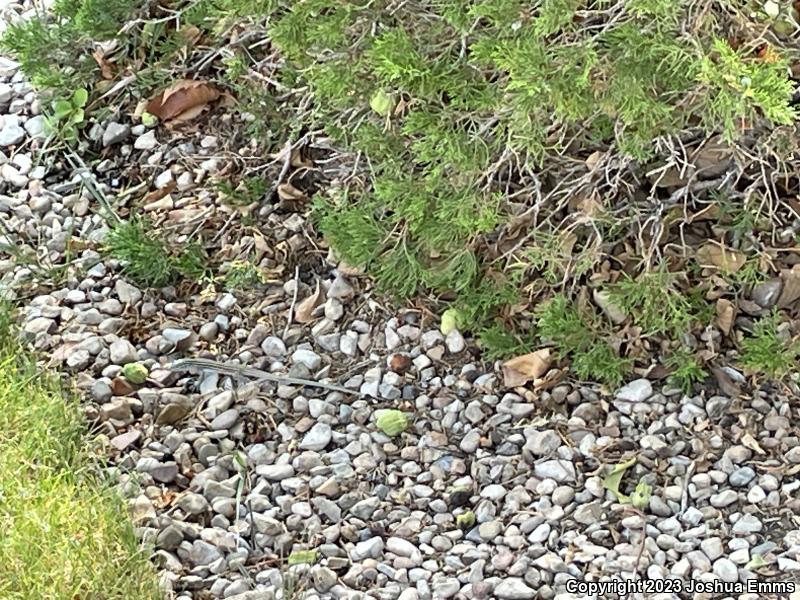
(456, 93)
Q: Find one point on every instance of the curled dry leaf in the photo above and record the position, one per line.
(297, 159)
(748, 441)
(522, 369)
(304, 311)
(713, 159)
(160, 193)
(725, 315)
(726, 384)
(183, 100)
(105, 67)
(286, 191)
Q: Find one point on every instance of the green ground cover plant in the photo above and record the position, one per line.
(148, 258)
(64, 531)
(463, 106)
(581, 336)
(508, 152)
(769, 350)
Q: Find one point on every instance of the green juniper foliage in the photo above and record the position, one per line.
(449, 88)
(146, 257)
(769, 350)
(655, 303)
(583, 338)
(451, 105)
(686, 369)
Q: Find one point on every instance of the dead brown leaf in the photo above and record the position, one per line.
(712, 159)
(791, 286)
(716, 255)
(594, 159)
(297, 159)
(725, 315)
(105, 67)
(522, 369)
(286, 191)
(551, 379)
(748, 441)
(187, 96)
(726, 383)
(671, 177)
(304, 311)
(191, 34)
(160, 193)
(122, 387)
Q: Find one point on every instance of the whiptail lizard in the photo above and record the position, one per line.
(186, 364)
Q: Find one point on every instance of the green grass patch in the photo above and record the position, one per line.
(64, 531)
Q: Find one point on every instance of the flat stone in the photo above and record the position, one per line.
(558, 470)
(317, 438)
(637, 390)
(193, 504)
(36, 127)
(122, 352)
(726, 570)
(275, 472)
(746, 525)
(273, 346)
(125, 440)
(11, 134)
(371, 548)
(39, 325)
(225, 420)
(309, 358)
(115, 133)
(402, 547)
(513, 588)
(127, 293)
(341, 289)
(455, 342)
(203, 553)
(147, 141)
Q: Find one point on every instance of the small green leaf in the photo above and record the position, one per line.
(465, 520)
(303, 557)
(381, 103)
(149, 120)
(61, 108)
(392, 422)
(136, 373)
(69, 134)
(240, 458)
(76, 118)
(756, 562)
(613, 479)
(80, 97)
(451, 319)
(640, 497)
